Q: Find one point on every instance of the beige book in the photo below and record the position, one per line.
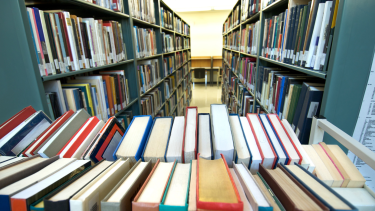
(190, 134)
(319, 189)
(321, 170)
(356, 178)
(6, 172)
(158, 140)
(132, 139)
(337, 178)
(90, 196)
(81, 182)
(266, 193)
(358, 197)
(120, 198)
(36, 177)
(246, 204)
(193, 187)
(154, 190)
(10, 161)
(241, 150)
(5, 158)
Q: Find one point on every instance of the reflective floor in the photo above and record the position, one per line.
(203, 96)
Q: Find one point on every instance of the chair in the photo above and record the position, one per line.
(200, 73)
(219, 76)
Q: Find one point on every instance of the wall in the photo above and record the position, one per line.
(206, 31)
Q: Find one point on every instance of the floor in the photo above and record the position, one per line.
(203, 96)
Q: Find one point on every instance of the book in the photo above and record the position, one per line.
(133, 142)
(55, 87)
(59, 198)
(268, 193)
(265, 147)
(15, 120)
(215, 186)
(121, 195)
(153, 189)
(358, 197)
(23, 199)
(177, 191)
(222, 140)
(241, 148)
(256, 157)
(257, 199)
(174, 151)
(246, 204)
(326, 195)
(321, 171)
(189, 142)
(192, 206)
(157, 141)
(91, 195)
(204, 145)
(63, 135)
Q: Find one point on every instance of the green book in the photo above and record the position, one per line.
(300, 34)
(271, 192)
(295, 97)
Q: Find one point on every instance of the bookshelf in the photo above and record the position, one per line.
(24, 82)
(344, 87)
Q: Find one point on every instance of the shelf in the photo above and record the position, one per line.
(166, 29)
(254, 56)
(316, 73)
(63, 75)
(149, 57)
(275, 5)
(159, 109)
(182, 65)
(126, 107)
(157, 84)
(260, 104)
(252, 18)
(144, 22)
(169, 52)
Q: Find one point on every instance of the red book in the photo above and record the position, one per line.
(15, 120)
(71, 146)
(33, 147)
(184, 152)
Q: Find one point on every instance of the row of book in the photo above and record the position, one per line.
(249, 38)
(151, 102)
(170, 104)
(102, 95)
(166, 18)
(65, 43)
(145, 42)
(181, 58)
(233, 40)
(180, 26)
(182, 43)
(148, 74)
(249, 8)
(167, 42)
(143, 10)
(300, 35)
(115, 5)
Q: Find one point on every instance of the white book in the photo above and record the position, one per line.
(251, 188)
(10, 161)
(241, 192)
(241, 149)
(178, 188)
(92, 194)
(294, 155)
(204, 136)
(81, 149)
(281, 156)
(63, 135)
(156, 145)
(71, 40)
(318, 22)
(132, 140)
(269, 157)
(322, 40)
(256, 157)
(306, 161)
(55, 86)
(190, 134)
(49, 52)
(41, 188)
(175, 141)
(222, 139)
(361, 198)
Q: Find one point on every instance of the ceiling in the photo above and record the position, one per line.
(199, 5)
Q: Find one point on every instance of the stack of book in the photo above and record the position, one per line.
(166, 18)
(145, 42)
(300, 35)
(65, 42)
(148, 74)
(167, 42)
(143, 10)
(151, 102)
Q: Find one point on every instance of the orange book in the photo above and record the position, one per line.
(107, 80)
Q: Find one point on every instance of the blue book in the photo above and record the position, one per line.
(138, 154)
(136, 38)
(85, 93)
(204, 127)
(149, 134)
(93, 93)
(77, 99)
(281, 95)
(9, 141)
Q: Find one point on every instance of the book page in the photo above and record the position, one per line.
(178, 187)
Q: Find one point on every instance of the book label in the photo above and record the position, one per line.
(312, 109)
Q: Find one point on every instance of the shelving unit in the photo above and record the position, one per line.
(20, 73)
(347, 73)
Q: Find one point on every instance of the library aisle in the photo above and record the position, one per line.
(203, 97)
